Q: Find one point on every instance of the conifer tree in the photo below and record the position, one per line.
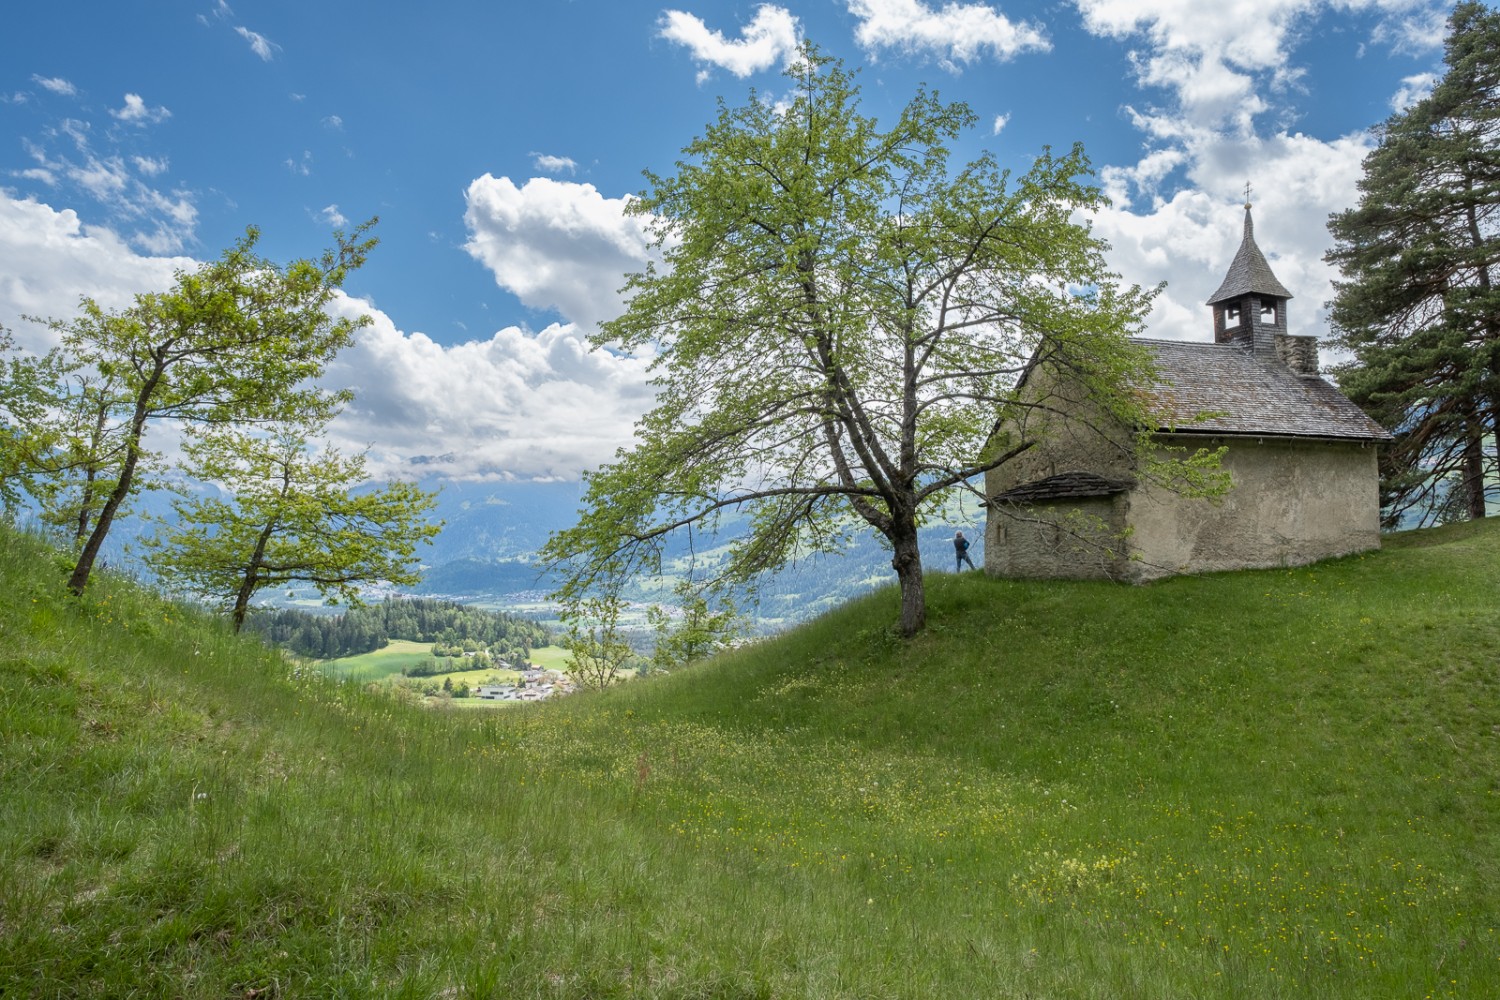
(1418, 305)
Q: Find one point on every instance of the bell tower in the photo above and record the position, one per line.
(1250, 305)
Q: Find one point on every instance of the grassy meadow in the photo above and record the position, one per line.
(1253, 785)
(399, 655)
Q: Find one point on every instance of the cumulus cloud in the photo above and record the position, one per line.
(55, 84)
(955, 33)
(771, 37)
(517, 405)
(259, 44)
(1220, 68)
(1188, 238)
(555, 244)
(1413, 89)
(333, 217)
(554, 164)
(135, 112)
(1178, 208)
(49, 259)
(999, 124)
(334, 122)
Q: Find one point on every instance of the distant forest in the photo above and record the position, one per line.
(363, 630)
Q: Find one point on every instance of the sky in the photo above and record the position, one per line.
(499, 142)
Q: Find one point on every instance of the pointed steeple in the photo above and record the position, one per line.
(1250, 305)
(1249, 274)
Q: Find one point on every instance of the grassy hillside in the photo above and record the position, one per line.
(1274, 784)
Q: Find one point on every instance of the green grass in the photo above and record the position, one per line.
(394, 658)
(400, 655)
(1253, 785)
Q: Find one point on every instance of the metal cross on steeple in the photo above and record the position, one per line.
(1247, 194)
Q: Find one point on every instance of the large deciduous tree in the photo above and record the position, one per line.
(1418, 304)
(238, 341)
(836, 322)
(286, 514)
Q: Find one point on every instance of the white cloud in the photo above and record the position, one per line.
(1189, 238)
(158, 222)
(1412, 90)
(56, 84)
(771, 37)
(554, 164)
(1219, 67)
(555, 244)
(136, 113)
(49, 259)
(301, 167)
(1178, 208)
(333, 217)
(955, 33)
(520, 404)
(259, 44)
(1414, 27)
(999, 124)
(334, 122)
(150, 166)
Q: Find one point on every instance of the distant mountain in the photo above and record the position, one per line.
(492, 532)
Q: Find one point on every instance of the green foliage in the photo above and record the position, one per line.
(597, 648)
(33, 449)
(287, 515)
(427, 620)
(239, 341)
(695, 630)
(835, 325)
(1418, 304)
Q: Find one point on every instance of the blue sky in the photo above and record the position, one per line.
(498, 143)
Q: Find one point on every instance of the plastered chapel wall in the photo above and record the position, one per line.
(1292, 502)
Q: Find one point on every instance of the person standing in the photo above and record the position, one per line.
(961, 550)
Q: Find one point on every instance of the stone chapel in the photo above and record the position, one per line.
(1301, 456)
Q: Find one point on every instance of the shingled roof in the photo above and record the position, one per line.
(1248, 393)
(1248, 272)
(1064, 486)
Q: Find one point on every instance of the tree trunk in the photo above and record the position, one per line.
(251, 581)
(907, 562)
(85, 564)
(1474, 469)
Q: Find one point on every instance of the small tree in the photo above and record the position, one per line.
(597, 650)
(27, 398)
(71, 472)
(288, 515)
(696, 629)
(238, 341)
(835, 327)
(1418, 304)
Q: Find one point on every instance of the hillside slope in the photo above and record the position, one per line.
(1272, 784)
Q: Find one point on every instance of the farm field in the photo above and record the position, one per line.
(403, 654)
